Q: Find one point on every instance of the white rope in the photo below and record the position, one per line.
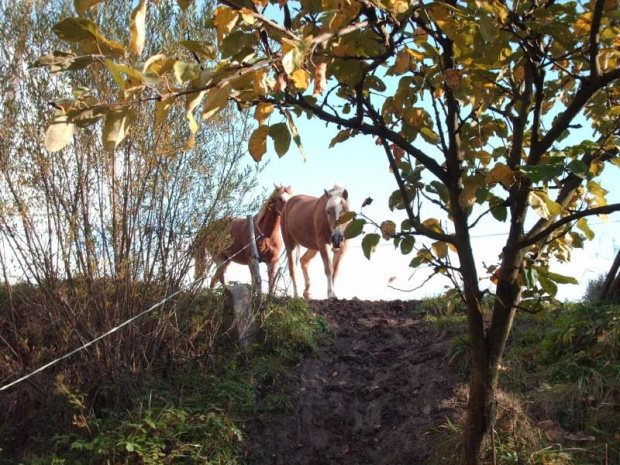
(116, 328)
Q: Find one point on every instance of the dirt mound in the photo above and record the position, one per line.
(371, 397)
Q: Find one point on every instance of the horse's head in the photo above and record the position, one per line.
(279, 197)
(335, 207)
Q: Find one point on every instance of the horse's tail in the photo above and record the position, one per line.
(200, 253)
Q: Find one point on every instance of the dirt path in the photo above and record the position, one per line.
(369, 398)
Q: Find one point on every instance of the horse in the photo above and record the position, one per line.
(237, 249)
(311, 222)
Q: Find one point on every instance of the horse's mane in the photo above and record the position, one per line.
(265, 207)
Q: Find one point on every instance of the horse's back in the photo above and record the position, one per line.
(299, 221)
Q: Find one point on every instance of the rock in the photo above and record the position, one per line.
(239, 318)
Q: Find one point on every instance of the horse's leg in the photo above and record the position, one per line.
(329, 271)
(291, 258)
(337, 257)
(219, 274)
(305, 261)
(271, 271)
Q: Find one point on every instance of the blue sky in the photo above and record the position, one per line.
(361, 166)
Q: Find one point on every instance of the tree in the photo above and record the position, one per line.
(472, 102)
(92, 229)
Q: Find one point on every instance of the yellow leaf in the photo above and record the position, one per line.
(81, 6)
(116, 73)
(117, 125)
(453, 78)
(543, 205)
(191, 102)
(433, 224)
(301, 79)
(217, 99)
(224, 20)
(440, 249)
(388, 229)
(257, 145)
(58, 133)
(162, 108)
(137, 32)
(403, 61)
(320, 79)
(262, 112)
(183, 4)
(261, 87)
(502, 174)
(467, 197)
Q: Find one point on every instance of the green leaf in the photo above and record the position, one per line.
(542, 172)
(369, 244)
(354, 228)
(296, 138)
(561, 279)
(75, 29)
(406, 244)
(340, 137)
(204, 49)
(117, 124)
(58, 133)
(281, 138)
(396, 201)
(548, 285)
(582, 224)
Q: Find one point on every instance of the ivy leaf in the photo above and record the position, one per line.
(281, 138)
(370, 243)
(58, 133)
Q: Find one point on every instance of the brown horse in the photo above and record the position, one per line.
(238, 250)
(311, 222)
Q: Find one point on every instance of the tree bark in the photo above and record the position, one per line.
(612, 282)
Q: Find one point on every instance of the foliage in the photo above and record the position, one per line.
(184, 408)
(562, 375)
(472, 102)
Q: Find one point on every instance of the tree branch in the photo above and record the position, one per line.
(533, 239)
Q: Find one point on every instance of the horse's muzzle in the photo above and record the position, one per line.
(337, 240)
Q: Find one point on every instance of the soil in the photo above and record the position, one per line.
(376, 395)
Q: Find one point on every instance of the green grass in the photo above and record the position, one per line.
(186, 411)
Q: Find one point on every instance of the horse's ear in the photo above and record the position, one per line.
(345, 194)
(326, 193)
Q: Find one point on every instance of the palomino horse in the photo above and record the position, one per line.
(238, 250)
(311, 222)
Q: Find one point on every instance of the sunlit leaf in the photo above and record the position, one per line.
(582, 224)
(543, 205)
(203, 49)
(257, 145)
(224, 19)
(81, 6)
(440, 249)
(137, 32)
(58, 133)
(117, 124)
(262, 112)
(294, 133)
(217, 100)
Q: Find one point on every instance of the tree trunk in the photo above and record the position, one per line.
(612, 282)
